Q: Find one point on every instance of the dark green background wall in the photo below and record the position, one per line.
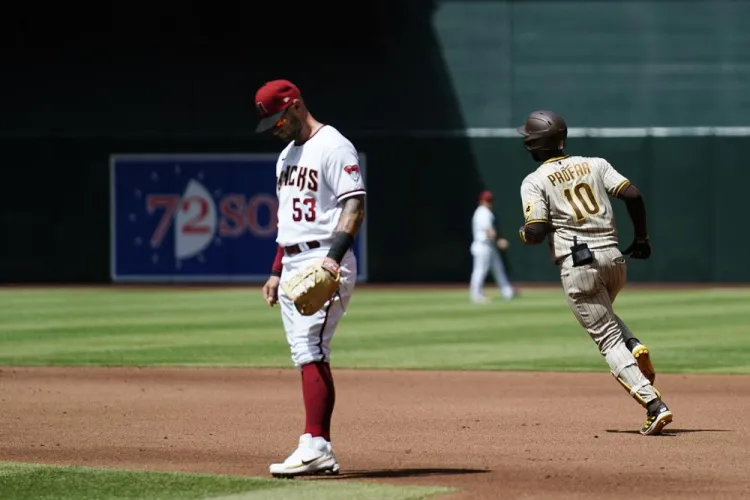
(422, 194)
(692, 188)
(413, 87)
(610, 63)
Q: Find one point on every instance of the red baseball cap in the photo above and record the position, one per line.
(272, 99)
(485, 196)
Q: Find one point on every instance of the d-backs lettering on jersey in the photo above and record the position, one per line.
(312, 179)
(572, 195)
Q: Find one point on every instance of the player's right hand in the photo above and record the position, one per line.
(271, 290)
(639, 249)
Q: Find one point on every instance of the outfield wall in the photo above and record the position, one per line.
(422, 193)
(693, 190)
(410, 89)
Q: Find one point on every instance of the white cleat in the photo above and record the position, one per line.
(313, 456)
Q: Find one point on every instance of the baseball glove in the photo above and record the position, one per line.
(313, 286)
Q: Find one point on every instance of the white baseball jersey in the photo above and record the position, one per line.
(312, 179)
(572, 194)
(482, 220)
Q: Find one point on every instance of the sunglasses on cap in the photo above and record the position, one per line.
(274, 121)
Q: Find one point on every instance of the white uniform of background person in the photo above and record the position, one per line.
(484, 250)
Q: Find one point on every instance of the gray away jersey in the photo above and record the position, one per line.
(572, 195)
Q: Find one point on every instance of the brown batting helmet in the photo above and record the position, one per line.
(543, 131)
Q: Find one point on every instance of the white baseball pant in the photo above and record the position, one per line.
(487, 257)
(309, 337)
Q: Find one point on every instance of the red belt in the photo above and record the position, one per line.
(301, 247)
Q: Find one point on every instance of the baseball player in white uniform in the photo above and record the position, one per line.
(321, 196)
(484, 251)
(567, 198)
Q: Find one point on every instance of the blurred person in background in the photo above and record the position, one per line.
(485, 252)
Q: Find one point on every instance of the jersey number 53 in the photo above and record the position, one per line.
(303, 208)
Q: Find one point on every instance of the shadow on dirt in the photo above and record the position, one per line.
(396, 473)
(671, 432)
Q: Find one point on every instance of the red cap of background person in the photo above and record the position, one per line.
(485, 196)
(272, 99)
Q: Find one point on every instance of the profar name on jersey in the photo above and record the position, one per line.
(304, 178)
(569, 173)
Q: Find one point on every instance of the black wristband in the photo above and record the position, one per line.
(342, 242)
(276, 273)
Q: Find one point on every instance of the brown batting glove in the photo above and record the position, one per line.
(639, 249)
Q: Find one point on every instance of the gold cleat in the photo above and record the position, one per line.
(657, 420)
(643, 358)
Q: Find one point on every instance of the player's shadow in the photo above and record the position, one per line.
(670, 432)
(397, 473)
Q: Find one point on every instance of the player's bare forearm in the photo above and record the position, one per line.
(533, 233)
(636, 210)
(350, 222)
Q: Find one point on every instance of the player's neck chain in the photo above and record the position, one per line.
(313, 131)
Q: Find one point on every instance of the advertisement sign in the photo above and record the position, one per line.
(197, 218)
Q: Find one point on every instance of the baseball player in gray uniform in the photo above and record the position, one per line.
(567, 199)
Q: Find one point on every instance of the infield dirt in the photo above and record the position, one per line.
(488, 434)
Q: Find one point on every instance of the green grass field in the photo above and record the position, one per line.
(698, 331)
(36, 482)
(689, 331)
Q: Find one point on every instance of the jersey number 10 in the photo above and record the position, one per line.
(582, 196)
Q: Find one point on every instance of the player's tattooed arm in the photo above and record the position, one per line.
(352, 215)
(350, 222)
